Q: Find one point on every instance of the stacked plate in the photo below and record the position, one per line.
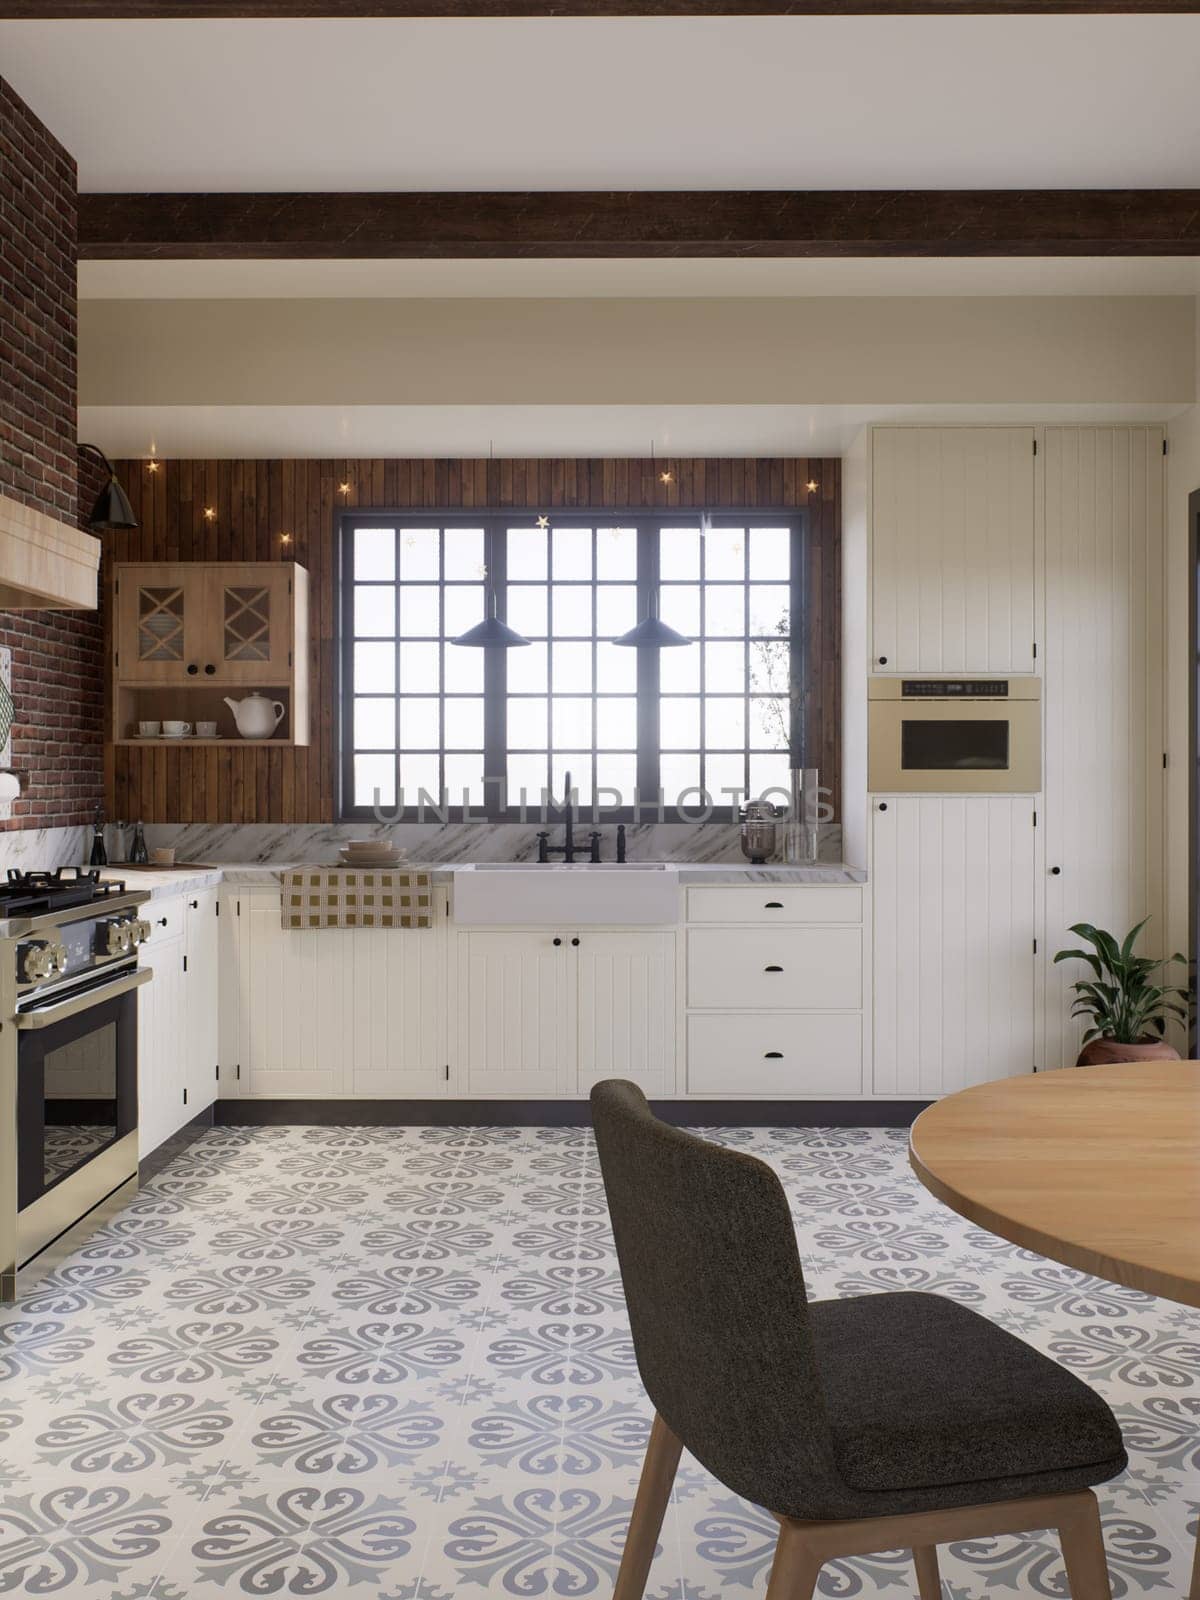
(371, 853)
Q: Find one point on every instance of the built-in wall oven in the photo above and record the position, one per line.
(68, 1064)
(955, 735)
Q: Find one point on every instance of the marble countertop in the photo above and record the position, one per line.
(162, 881)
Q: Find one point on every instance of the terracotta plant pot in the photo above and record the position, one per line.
(1103, 1052)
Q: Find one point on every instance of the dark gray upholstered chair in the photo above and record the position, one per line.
(883, 1422)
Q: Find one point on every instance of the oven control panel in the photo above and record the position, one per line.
(74, 948)
(955, 689)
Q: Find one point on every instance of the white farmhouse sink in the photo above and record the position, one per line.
(516, 893)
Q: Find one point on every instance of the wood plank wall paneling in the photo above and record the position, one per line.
(256, 501)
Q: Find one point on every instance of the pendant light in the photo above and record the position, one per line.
(651, 632)
(491, 633)
(112, 508)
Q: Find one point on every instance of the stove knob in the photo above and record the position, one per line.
(35, 962)
(115, 937)
(60, 957)
(141, 931)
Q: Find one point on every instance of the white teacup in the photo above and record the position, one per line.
(177, 730)
(206, 730)
(149, 730)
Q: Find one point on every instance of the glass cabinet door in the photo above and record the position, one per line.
(249, 623)
(159, 625)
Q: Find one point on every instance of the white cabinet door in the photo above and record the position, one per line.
(1103, 704)
(952, 550)
(626, 1008)
(294, 995)
(953, 926)
(201, 999)
(230, 1041)
(516, 1031)
(162, 1043)
(397, 1012)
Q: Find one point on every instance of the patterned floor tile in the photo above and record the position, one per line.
(396, 1361)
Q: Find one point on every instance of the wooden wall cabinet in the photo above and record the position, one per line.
(186, 632)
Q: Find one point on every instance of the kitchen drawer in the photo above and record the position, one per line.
(788, 1053)
(780, 969)
(776, 902)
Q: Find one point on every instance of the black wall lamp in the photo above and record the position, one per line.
(112, 508)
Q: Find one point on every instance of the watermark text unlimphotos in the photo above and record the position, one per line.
(693, 804)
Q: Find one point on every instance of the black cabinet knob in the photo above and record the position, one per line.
(883, 661)
(193, 669)
(883, 805)
(574, 941)
(1054, 871)
(195, 904)
(558, 941)
(162, 922)
(210, 669)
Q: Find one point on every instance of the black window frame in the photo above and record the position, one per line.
(495, 524)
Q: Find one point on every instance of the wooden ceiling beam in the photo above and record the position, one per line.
(671, 223)
(91, 10)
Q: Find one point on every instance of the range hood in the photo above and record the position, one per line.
(45, 564)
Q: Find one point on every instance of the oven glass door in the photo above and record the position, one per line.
(76, 1091)
(953, 746)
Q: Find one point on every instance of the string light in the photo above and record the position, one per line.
(812, 486)
(210, 513)
(343, 488)
(665, 475)
(285, 538)
(543, 522)
(152, 466)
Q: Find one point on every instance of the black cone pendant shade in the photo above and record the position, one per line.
(491, 632)
(112, 508)
(652, 633)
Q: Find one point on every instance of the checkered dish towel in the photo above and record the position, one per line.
(356, 897)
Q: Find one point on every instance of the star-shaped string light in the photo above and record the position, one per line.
(543, 522)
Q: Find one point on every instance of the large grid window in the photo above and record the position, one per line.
(428, 721)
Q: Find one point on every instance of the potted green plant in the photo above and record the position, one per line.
(1128, 1007)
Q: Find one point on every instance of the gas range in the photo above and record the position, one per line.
(69, 976)
(64, 925)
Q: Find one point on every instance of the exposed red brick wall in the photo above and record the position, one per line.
(58, 656)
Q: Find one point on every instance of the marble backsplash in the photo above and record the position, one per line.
(434, 843)
(40, 849)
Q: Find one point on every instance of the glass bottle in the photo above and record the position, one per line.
(138, 853)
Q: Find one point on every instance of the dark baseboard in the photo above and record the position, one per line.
(563, 1113)
(166, 1152)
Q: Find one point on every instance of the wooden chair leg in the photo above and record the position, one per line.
(929, 1580)
(1082, 1541)
(796, 1565)
(649, 1509)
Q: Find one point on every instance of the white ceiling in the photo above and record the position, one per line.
(251, 280)
(205, 432)
(787, 102)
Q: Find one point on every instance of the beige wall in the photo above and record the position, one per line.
(1183, 477)
(1015, 350)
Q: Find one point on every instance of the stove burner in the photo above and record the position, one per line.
(35, 893)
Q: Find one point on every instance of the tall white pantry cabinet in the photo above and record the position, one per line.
(1009, 551)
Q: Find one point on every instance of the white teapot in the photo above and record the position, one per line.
(256, 716)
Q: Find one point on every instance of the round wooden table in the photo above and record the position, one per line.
(1097, 1167)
